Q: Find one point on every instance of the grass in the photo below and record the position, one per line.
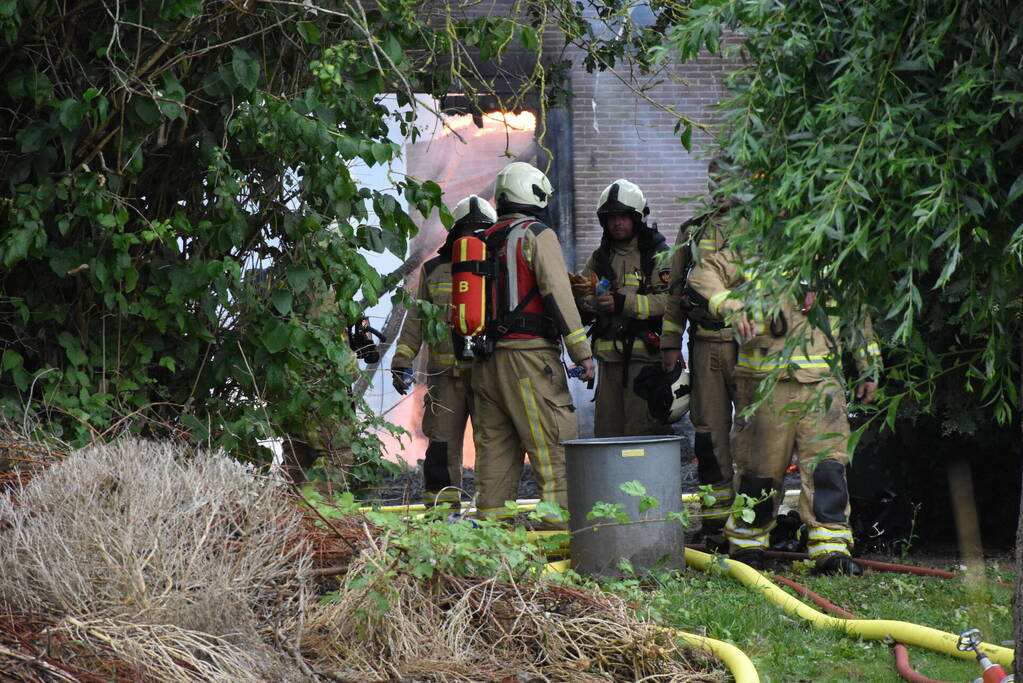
(788, 650)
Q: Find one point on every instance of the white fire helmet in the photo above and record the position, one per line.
(666, 393)
(521, 185)
(622, 196)
(473, 210)
(678, 394)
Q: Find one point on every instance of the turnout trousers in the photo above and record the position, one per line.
(447, 408)
(617, 410)
(795, 415)
(522, 405)
(711, 369)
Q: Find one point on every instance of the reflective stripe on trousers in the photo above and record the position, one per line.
(745, 537)
(824, 541)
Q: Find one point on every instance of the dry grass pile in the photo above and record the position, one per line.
(186, 568)
(21, 458)
(31, 650)
(387, 625)
(136, 561)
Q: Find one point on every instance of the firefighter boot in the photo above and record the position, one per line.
(837, 563)
(754, 557)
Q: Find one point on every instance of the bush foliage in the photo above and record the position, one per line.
(156, 152)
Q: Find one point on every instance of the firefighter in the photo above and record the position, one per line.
(805, 410)
(712, 354)
(627, 317)
(448, 403)
(518, 377)
(310, 436)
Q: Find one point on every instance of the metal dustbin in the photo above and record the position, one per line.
(595, 470)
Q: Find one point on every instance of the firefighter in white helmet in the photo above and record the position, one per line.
(519, 379)
(448, 374)
(623, 290)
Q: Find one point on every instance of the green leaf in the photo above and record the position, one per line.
(131, 278)
(372, 238)
(245, 69)
(748, 515)
(422, 570)
(309, 31)
(70, 113)
(72, 348)
(299, 278)
(276, 335)
(102, 107)
(183, 8)
(854, 439)
(146, 110)
(392, 48)
(33, 84)
(633, 488)
(381, 152)
(603, 510)
(647, 503)
(34, 137)
(12, 359)
(528, 38)
(687, 137)
(282, 299)
(172, 90)
(17, 244)
(168, 362)
(825, 437)
(1016, 190)
(549, 509)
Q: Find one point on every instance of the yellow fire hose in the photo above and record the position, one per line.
(872, 629)
(526, 505)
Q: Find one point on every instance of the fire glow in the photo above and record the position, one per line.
(408, 414)
(493, 122)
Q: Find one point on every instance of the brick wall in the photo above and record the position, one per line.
(620, 134)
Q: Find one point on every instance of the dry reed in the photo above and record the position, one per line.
(131, 538)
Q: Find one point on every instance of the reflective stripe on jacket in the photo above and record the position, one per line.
(813, 354)
(645, 296)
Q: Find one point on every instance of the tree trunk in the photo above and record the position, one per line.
(1017, 598)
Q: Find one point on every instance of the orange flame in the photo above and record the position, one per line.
(411, 447)
(493, 122)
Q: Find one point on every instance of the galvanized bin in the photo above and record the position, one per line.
(595, 470)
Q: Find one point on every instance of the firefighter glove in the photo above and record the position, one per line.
(401, 378)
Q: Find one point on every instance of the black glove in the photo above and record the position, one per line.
(401, 378)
